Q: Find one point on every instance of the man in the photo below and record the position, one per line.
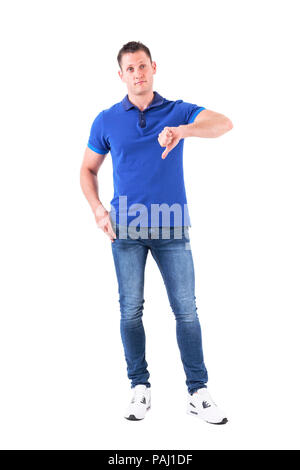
(150, 182)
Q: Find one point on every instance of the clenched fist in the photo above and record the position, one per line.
(169, 137)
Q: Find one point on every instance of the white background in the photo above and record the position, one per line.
(63, 374)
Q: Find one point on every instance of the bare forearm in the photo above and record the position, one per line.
(89, 186)
(208, 128)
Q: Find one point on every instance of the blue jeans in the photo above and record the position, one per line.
(174, 259)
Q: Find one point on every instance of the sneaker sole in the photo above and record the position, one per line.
(133, 418)
(196, 415)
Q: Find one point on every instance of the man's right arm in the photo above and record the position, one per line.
(89, 185)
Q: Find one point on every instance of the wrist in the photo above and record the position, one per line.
(99, 210)
(182, 129)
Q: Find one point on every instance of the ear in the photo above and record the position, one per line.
(154, 67)
(120, 75)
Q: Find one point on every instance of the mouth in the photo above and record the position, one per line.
(140, 83)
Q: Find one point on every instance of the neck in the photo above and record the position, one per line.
(141, 101)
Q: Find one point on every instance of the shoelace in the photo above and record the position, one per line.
(139, 396)
(206, 398)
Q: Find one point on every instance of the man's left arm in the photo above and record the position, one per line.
(207, 124)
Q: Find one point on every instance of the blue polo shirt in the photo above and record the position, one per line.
(148, 191)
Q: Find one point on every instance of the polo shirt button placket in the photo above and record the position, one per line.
(142, 119)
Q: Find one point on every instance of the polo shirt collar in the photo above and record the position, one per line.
(157, 101)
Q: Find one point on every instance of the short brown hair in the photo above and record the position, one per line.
(133, 46)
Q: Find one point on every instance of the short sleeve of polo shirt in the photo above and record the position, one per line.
(97, 140)
(190, 111)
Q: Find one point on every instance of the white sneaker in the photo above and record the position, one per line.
(140, 403)
(201, 405)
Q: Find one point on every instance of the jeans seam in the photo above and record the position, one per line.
(161, 271)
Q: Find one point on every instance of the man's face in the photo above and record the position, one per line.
(137, 67)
